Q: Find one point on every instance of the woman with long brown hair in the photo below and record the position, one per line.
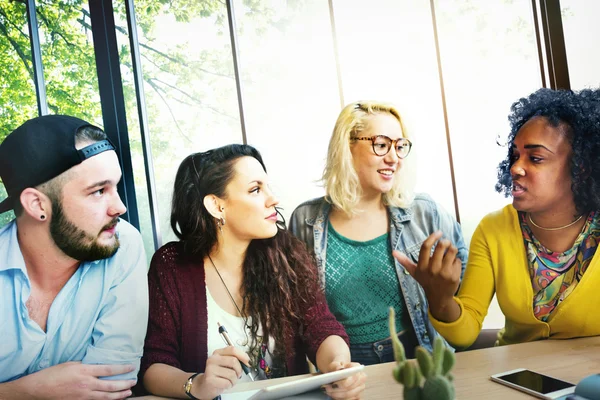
(235, 265)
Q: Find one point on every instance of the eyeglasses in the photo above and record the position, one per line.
(382, 145)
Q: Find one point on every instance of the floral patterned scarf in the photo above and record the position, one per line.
(555, 275)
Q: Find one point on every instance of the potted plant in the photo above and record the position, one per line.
(428, 377)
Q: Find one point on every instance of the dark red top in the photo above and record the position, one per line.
(178, 322)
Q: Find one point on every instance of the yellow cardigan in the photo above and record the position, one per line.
(498, 263)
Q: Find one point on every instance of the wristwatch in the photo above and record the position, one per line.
(187, 386)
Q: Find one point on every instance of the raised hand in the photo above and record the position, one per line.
(222, 372)
(438, 273)
(350, 388)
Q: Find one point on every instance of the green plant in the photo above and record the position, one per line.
(427, 378)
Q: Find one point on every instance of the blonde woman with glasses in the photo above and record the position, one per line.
(365, 215)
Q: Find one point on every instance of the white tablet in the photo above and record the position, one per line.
(292, 388)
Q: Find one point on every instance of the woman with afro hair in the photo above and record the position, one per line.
(538, 254)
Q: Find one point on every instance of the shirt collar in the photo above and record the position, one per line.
(399, 215)
(321, 215)
(10, 251)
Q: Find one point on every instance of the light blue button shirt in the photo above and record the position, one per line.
(99, 317)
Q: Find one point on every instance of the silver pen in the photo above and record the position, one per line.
(225, 335)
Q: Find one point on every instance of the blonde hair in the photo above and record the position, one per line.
(340, 179)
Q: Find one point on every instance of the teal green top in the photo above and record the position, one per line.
(361, 284)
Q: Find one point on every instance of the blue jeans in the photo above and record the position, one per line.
(382, 351)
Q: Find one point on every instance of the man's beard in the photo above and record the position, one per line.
(76, 243)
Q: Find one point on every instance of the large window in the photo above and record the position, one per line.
(68, 60)
(290, 92)
(190, 94)
(582, 33)
(133, 127)
(489, 60)
(387, 53)
(17, 90)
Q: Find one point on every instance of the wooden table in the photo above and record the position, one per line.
(569, 360)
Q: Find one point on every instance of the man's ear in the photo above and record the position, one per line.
(36, 204)
(213, 205)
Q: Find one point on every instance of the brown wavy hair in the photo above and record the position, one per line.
(279, 272)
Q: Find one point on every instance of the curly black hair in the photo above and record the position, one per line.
(579, 113)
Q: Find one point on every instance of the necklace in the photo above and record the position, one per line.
(226, 288)
(554, 229)
(252, 358)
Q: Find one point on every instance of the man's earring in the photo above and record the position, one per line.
(42, 217)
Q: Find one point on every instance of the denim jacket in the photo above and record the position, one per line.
(409, 227)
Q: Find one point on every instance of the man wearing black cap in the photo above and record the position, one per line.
(73, 288)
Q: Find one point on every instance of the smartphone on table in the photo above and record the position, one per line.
(534, 383)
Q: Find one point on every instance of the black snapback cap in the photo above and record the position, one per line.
(41, 149)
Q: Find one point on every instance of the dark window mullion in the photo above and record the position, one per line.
(236, 68)
(554, 41)
(111, 98)
(143, 119)
(336, 53)
(538, 42)
(444, 108)
(36, 58)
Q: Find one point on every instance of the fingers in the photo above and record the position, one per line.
(426, 262)
(335, 366)
(453, 274)
(209, 385)
(234, 352)
(227, 373)
(437, 259)
(424, 254)
(450, 255)
(220, 383)
(352, 381)
(107, 370)
(406, 262)
(355, 393)
(111, 396)
(223, 366)
(349, 388)
(348, 364)
(346, 383)
(114, 386)
(441, 262)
